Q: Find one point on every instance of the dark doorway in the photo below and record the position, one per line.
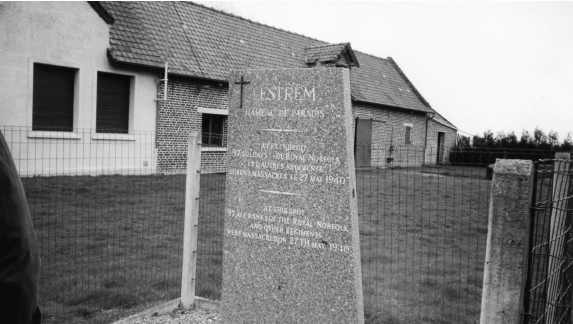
(363, 142)
(441, 147)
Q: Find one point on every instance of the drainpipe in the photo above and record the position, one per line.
(157, 100)
(426, 137)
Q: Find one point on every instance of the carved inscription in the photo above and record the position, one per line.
(279, 225)
(288, 162)
(278, 93)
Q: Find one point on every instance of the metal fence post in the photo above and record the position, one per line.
(557, 234)
(191, 220)
(507, 241)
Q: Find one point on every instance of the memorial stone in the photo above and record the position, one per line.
(291, 250)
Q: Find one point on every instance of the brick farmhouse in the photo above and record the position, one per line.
(90, 74)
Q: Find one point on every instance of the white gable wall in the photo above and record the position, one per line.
(69, 34)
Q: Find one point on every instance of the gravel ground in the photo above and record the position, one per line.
(185, 316)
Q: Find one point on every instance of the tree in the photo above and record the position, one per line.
(567, 143)
(464, 141)
(553, 139)
(512, 140)
(477, 141)
(526, 140)
(489, 140)
(539, 138)
(500, 140)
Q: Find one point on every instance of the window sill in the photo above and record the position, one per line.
(113, 137)
(213, 149)
(54, 135)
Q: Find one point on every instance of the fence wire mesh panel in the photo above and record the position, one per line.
(108, 210)
(486, 156)
(423, 224)
(211, 216)
(110, 227)
(549, 287)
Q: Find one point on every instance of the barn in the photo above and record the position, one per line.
(137, 77)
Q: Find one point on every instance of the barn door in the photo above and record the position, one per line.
(363, 142)
(441, 147)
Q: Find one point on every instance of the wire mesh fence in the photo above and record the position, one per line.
(549, 287)
(108, 224)
(485, 156)
(423, 216)
(423, 227)
(108, 210)
(210, 227)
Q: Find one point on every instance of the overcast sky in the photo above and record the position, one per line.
(483, 65)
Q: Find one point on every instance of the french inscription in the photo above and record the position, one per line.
(288, 161)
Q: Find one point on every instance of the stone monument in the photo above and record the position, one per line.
(291, 250)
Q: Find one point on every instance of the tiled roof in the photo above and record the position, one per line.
(206, 43)
(440, 119)
(329, 53)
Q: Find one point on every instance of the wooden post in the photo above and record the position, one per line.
(191, 220)
(556, 236)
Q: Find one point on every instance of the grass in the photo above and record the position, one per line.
(111, 245)
(423, 234)
(423, 237)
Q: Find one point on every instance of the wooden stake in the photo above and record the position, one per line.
(191, 221)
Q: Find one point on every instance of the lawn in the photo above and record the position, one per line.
(423, 238)
(111, 245)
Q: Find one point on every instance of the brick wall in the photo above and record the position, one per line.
(449, 142)
(178, 116)
(213, 161)
(388, 139)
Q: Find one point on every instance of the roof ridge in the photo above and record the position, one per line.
(328, 44)
(249, 20)
(143, 29)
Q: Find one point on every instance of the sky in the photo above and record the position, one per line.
(499, 66)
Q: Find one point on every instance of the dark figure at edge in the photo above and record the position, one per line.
(19, 254)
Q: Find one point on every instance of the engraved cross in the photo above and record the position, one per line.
(242, 82)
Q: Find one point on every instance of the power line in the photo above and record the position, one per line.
(188, 41)
(461, 131)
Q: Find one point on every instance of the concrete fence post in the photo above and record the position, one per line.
(560, 190)
(191, 220)
(507, 242)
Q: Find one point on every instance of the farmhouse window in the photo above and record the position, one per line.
(53, 98)
(408, 139)
(113, 92)
(212, 130)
